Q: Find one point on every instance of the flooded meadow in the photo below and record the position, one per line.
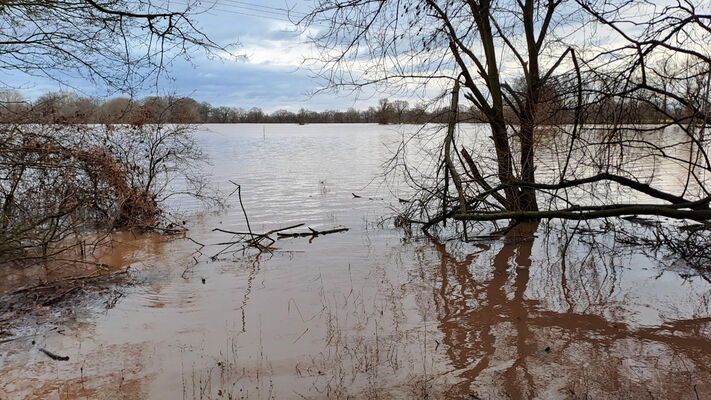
(550, 311)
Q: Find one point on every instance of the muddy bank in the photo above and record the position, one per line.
(53, 303)
(47, 294)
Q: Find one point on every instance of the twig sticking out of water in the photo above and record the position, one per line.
(239, 196)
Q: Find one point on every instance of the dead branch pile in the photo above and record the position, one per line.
(241, 241)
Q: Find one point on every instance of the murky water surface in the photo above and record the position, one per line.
(368, 313)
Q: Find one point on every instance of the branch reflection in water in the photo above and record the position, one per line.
(561, 326)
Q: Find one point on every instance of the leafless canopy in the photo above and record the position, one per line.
(120, 43)
(589, 104)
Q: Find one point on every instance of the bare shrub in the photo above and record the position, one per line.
(59, 181)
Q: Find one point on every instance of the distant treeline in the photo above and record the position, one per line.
(67, 107)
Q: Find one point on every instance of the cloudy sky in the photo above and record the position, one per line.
(269, 74)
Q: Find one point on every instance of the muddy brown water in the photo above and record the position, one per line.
(371, 312)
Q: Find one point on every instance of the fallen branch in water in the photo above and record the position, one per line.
(251, 239)
(578, 214)
(256, 237)
(263, 241)
(248, 239)
(54, 356)
(312, 233)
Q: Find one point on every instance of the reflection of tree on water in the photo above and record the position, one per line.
(501, 339)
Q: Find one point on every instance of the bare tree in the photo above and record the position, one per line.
(385, 111)
(400, 107)
(538, 86)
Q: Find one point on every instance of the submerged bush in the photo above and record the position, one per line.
(61, 181)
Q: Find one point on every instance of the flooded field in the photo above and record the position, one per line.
(368, 313)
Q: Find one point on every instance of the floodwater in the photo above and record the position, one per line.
(371, 312)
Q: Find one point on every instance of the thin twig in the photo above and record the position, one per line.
(239, 195)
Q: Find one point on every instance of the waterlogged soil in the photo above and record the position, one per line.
(368, 313)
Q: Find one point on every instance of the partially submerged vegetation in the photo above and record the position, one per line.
(507, 312)
(71, 193)
(575, 127)
(63, 182)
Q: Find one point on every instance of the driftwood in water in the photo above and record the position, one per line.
(262, 241)
(54, 356)
(312, 232)
(256, 236)
(250, 239)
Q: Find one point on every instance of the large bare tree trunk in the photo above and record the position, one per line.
(520, 68)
